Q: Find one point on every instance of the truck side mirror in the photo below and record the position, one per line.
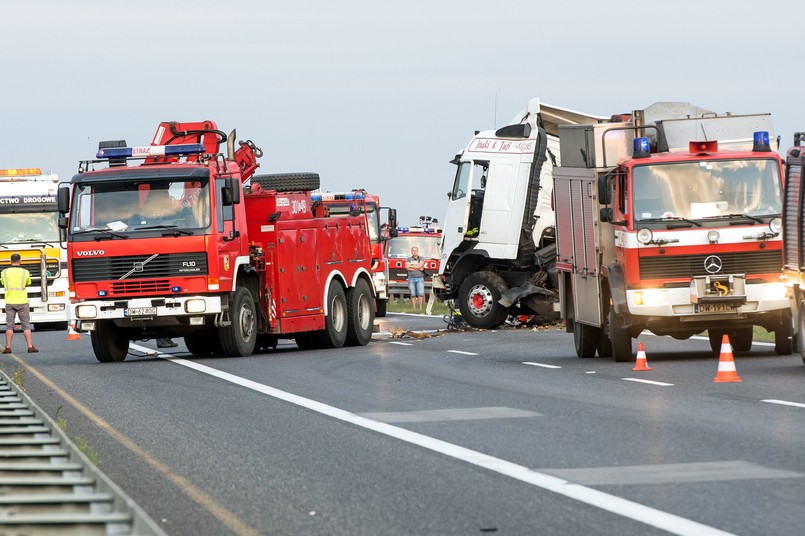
(605, 215)
(230, 193)
(604, 191)
(63, 200)
(392, 222)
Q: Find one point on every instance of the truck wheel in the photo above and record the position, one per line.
(620, 338)
(783, 339)
(239, 337)
(361, 314)
(109, 343)
(585, 339)
(478, 300)
(604, 345)
(741, 339)
(203, 342)
(288, 182)
(715, 336)
(380, 310)
(335, 329)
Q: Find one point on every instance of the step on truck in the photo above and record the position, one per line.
(669, 220)
(498, 247)
(191, 243)
(29, 220)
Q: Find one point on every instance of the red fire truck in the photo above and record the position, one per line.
(190, 243)
(427, 237)
(341, 204)
(659, 230)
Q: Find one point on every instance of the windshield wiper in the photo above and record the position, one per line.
(108, 233)
(687, 222)
(736, 215)
(173, 228)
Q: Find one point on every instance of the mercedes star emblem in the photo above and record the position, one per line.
(712, 264)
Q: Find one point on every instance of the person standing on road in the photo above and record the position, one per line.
(15, 280)
(416, 279)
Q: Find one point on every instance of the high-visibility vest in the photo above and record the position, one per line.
(15, 279)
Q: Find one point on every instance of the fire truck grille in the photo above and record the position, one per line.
(158, 286)
(683, 267)
(36, 269)
(136, 267)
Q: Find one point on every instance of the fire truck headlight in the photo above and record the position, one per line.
(86, 311)
(776, 225)
(195, 306)
(644, 236)
(777, 291)
(713, 236)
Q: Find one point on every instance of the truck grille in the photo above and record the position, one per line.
(685, 267)
(131, 268)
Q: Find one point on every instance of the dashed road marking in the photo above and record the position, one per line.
(650, 382)
(461, 352)
(543, 365)
(784, 403)
(452, 414)
(401, 343)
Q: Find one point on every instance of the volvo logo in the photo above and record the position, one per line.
(712, 264)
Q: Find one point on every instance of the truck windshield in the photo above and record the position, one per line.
(341, 210)
(130, 206)
(29, 227)
(400, 247)
(706, 189)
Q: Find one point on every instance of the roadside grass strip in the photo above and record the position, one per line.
(647, 515)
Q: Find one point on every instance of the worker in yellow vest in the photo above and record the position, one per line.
(15, 280)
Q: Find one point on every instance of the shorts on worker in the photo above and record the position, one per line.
(416, 286)
(21, 310)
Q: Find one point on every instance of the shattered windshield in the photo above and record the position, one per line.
(139, 205)
(706, 189)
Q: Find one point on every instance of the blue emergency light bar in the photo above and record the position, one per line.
(153, 150)
(641, 148)
(328, 196)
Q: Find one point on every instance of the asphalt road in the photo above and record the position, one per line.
(503, 432)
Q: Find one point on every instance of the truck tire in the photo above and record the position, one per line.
(239, 337)
(380, 308)
(336, 324)
(288, 182)
(478, 300)
(783, 335)
(715, 337)
(585, 339)
(360, 310)
(620, 338)
(741, 339)
(801, 329)
(203, 342)
(110, 343)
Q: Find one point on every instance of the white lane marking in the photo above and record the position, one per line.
(784, 403)
(650, 382)
(401, 343)
(451, 414)
(460, 352)
(543, 365)
(650, 516)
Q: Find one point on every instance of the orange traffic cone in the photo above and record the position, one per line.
(726, 363)
(641, 363)
(72, 334)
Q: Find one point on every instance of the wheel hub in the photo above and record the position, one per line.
(480, 300)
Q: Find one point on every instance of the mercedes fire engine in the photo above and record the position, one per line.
(29, 226)
(342, 204)
(190, 243)
(427, 237)
(669, 220)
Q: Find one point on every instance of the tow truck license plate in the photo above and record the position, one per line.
(140, 311)
(715, 308)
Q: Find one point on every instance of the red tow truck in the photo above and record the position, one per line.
(191, 243)
(341, 204)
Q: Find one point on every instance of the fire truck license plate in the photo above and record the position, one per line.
(140, 311)
(715, 308)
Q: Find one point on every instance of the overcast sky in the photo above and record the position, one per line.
(378, 95)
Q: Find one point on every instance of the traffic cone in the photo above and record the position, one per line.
(726, 363)
(72, 334)
(641, 363)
